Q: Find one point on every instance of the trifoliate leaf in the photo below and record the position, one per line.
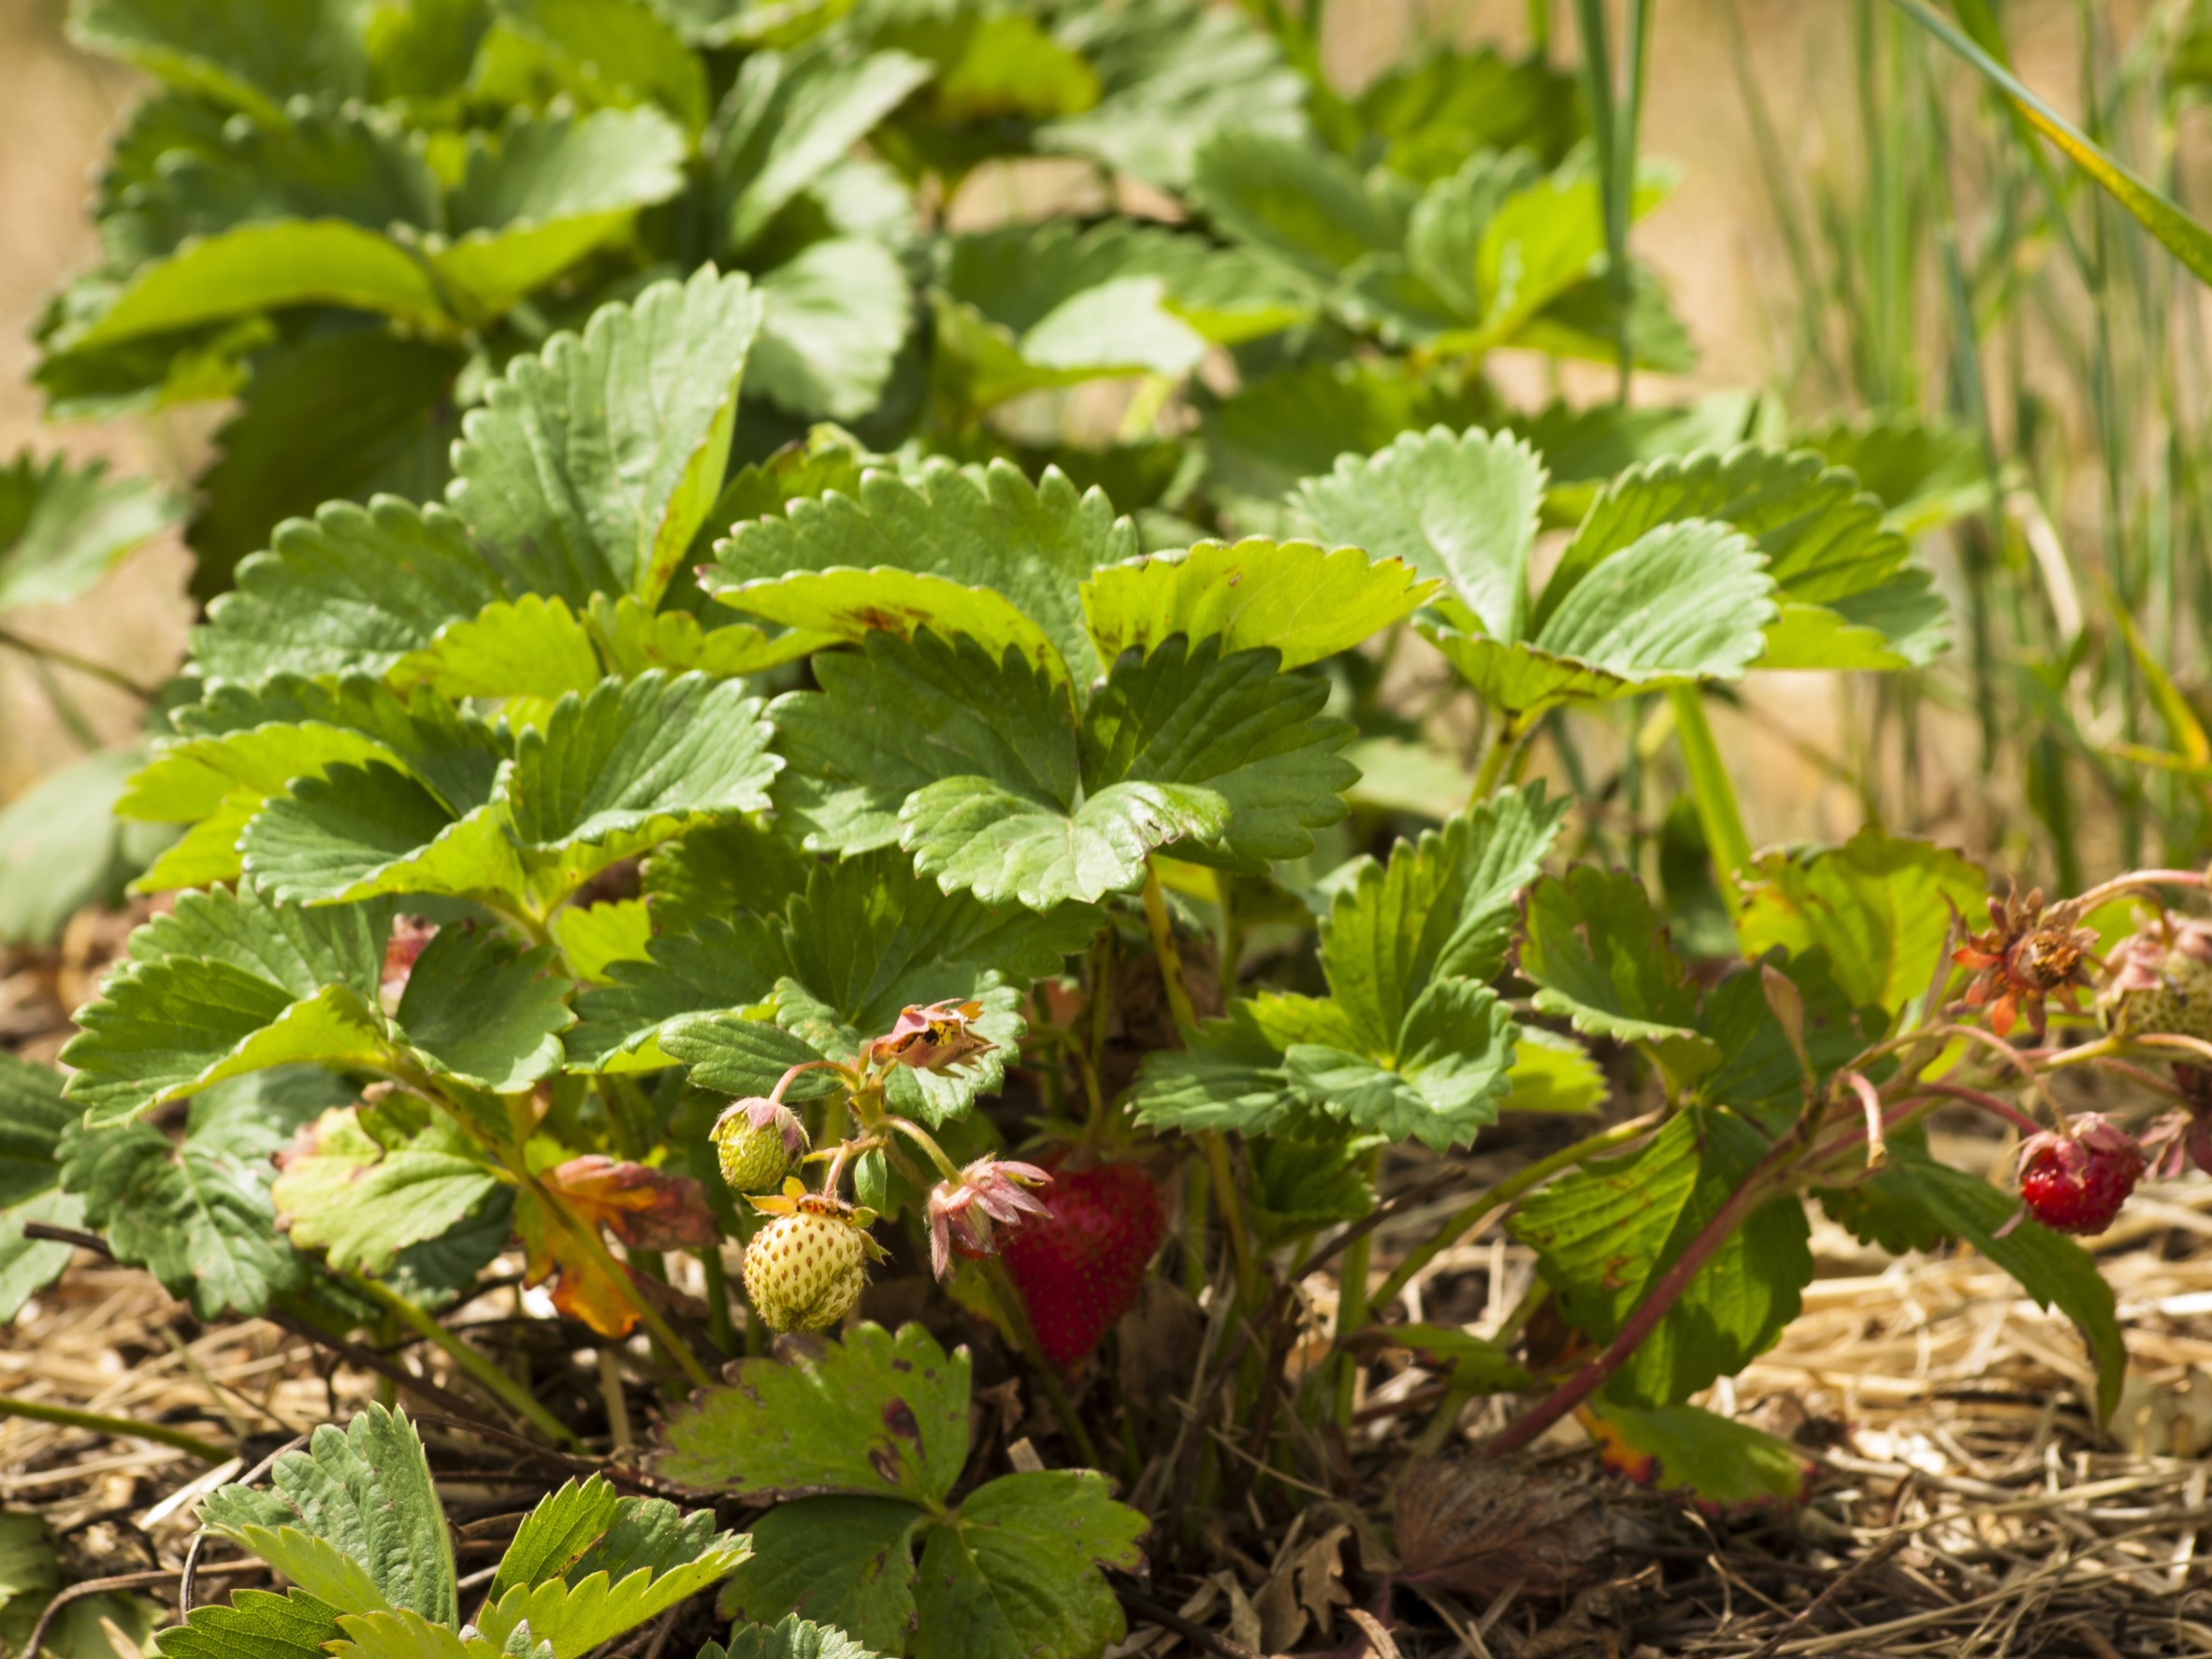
(901, 716)
(338, 417)
(1296, 200)
(1305, 603)
(870, 1415)
(544, 191)
(1687, 601)
(1598, 956)
(846, 1562)
(1822, 538)
(354, 590)
(228, 984)
(1881, 905)
(836, 315)
(345, 1193)
(1605, 1234)
(1440, 1078)
(196, 1214)
(1170, 76)
(1017, 1571)
(978, 527)
(365, 1491)
(1201, 721)
(1461, 508)
(593, 463)
(63, 528)
(1444, 906)
(789, 118)
(720, 965)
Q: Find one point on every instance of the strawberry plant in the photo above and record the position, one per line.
(710, 776)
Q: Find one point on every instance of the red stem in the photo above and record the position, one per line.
(1988, 1103)
(1665, 1292)
(2137, 878)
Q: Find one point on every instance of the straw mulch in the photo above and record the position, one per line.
(1963, 1501)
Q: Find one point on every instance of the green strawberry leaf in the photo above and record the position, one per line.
(353, 591)
(196, 1213)
(1297, 202)
(985, 528)
(479, 1007)
(1438, 107)
(1231, 1076)
(793, 1638)
(1881, 905)
(403, 1635)
(1170, 76)
(1462, 509)
(598, 459)
(1598, 956)
(588, 1565)
(1017, 1572)
(1925, 473)
(1826, 547)
(1305, 603)
(63, 528)
(1760, 1075)
(1443, 1077)
(1686, 601)
(362, 1200)
(836, 315)
(1445, 905)
(532, 648)
(1605, 1234)
(843, 1562)
(870, 1415)
(365, 1489)
(32, 1118)
(62, 846)
(252, 55)
(789, 118)
(544, 191)
(1553, 1074)
(255, 1625)
(718, 965)
(1731, 1465)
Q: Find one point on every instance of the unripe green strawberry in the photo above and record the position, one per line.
(757, 1142)
(2159, 980)
(806, 1268)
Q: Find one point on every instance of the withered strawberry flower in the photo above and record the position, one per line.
(2027, 956)
(932, 1039)
(2184, 1135)
(963, 1212)
(757, 1141)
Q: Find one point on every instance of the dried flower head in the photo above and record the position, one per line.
(990, 1191)
(2184, 1135)
(932, 1039)
(757, 1140)
(2029, 954)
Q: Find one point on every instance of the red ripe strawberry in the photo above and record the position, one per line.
(2076, 1182)
(1081, 1267)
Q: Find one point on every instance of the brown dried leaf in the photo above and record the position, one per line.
(1480, 1528)
(1305, 1587)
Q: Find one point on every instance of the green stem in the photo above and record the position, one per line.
(494, 1381)
(1351, 1304)
(1466, 1220)
(1493, 763)
(120, 1428)
(1714, 794)
(719, 1329)
(1216, 1146)
(1163, 946)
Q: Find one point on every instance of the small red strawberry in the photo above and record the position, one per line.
(1081, 1267)
(2075, 1180)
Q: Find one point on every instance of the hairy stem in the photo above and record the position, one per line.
(1714, 793)
(1757, 1188)
(1464, 1220)
(488, 1376)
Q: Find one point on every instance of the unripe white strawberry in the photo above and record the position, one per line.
(757, 1142)
(806, 1268)
(2161, 981)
